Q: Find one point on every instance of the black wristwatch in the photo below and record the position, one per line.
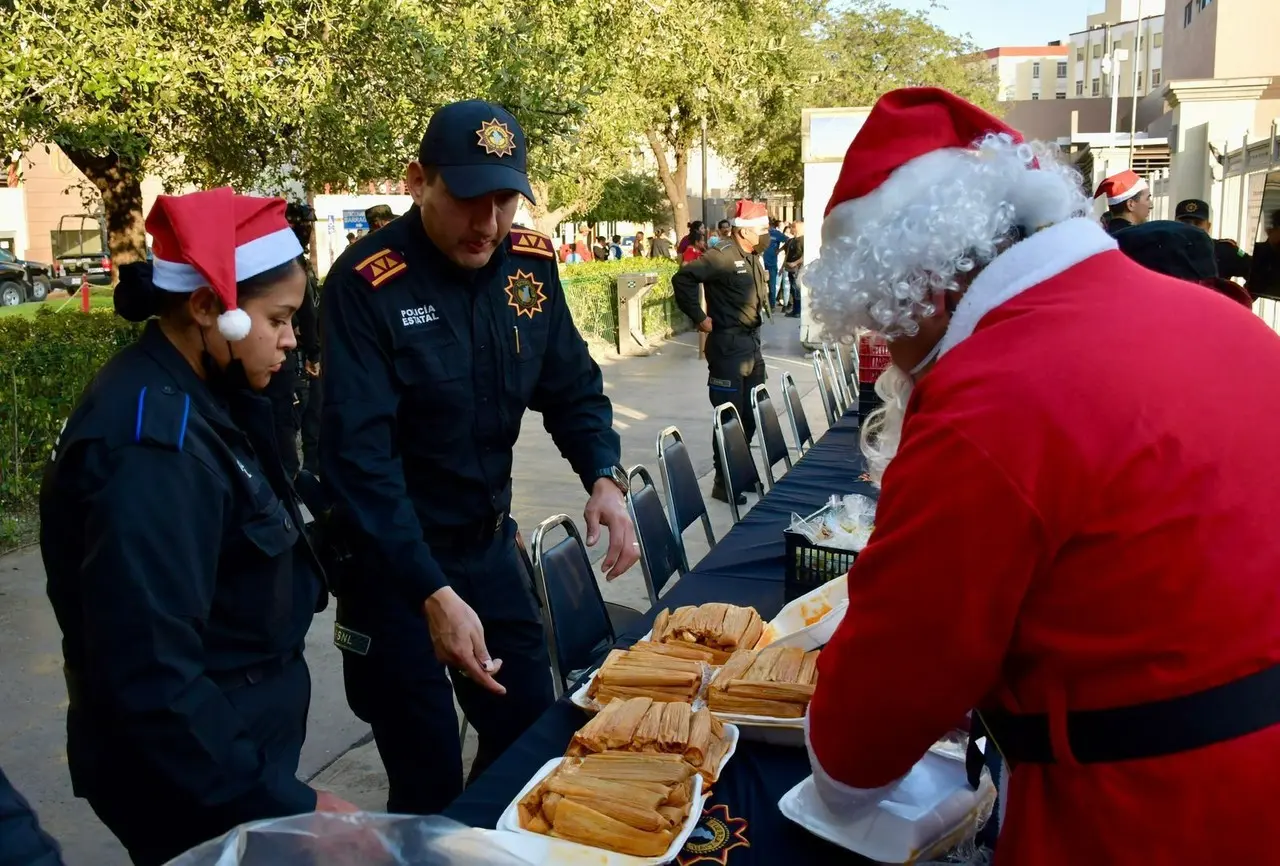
(617, 475)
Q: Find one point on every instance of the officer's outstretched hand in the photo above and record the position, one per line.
(606, 507)
(458, 638)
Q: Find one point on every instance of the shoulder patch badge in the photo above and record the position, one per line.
(530, 243)
(381, 267)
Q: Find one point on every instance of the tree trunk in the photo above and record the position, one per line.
(546, 219)
(674, 182)
(119, 183)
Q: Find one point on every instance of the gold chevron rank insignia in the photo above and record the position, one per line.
(530, 243)
(381, 266)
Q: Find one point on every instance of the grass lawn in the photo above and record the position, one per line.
(99, 299)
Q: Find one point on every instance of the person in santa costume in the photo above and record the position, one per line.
(172, 542)
(1128, 200)
(1075, 533)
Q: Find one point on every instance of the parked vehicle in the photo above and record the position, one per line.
(38, 278)
(79, 250)
(13, 284)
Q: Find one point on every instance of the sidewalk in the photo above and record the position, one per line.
(668, 388)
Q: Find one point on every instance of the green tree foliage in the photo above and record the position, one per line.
(633, 197)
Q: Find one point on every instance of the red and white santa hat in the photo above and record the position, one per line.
(750, 215)
(216, 238)
(905, 124)
(1121, 187)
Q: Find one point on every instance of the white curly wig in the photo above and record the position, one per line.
(941, 214)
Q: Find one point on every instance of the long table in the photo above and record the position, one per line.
(741, 825)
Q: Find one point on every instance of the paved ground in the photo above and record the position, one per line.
(648, 394)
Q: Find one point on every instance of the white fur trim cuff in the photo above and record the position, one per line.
(234, 325)
(1130, 193)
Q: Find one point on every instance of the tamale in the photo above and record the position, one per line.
(717, 728)
(724, 702)
(736, 620)
(622, 725)
(684, 651)
(620, 675)
(644, 768)
(682, 794)
(649, 728)
(537, 824)
(645, 659)
(751, 636)
(793, 692)
(591, 735)
(549, 804)
(655, 693)
(660, 625)
(787, 670)
(579, 823)
(675, 815)
(586, 788)
(626, 812)
(715, 754)
(699, 738)
(526, 811)
(708, 623)
(674, 733)
(737, 665)
(762, 669)
(809, 668)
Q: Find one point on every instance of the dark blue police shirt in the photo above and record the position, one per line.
(171, 541)
(428, 371)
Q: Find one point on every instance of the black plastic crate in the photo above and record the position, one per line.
(811, 565)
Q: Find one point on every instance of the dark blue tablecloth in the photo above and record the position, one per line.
(742, 825)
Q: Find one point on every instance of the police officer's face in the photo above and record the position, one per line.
(467, 230)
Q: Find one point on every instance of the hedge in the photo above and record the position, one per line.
(46, 361)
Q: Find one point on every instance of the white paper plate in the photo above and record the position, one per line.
(788, 627)
(510, 822)
(580, 700)
(926, 814)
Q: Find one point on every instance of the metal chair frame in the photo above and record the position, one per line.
(682, 568)
(760, 428)
(839, 389)
(789, 393)
(676, 529)
(825, 391)
(848, 373)
(730, 489)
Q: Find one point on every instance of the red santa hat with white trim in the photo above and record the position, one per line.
(216, 238)
(750, 215)
(1119, 188)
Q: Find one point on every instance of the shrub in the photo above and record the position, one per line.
(591, 290)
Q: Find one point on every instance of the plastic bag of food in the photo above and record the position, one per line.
(367, 838)
(845, 523)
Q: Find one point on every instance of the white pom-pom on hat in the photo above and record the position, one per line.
(235, 324)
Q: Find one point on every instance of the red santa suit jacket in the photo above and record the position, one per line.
(1082, 515)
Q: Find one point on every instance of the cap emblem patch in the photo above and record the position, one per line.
(496, 138)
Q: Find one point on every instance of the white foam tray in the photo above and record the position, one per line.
(510, 822)
(788, 627)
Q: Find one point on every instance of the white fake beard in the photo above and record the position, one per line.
(882, 429)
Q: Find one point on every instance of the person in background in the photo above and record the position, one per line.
(723, 235)
(172, 540)
(351, 238)
(696, 225)
(637, 246)
(776, 240)
(1232, 261)
(1128, 201)
(22, 841)
(1264, 274)
(615, 249)
(661, 247)
(306, 324)
(1176, 249)
(582, 248)
(696, 247)
(378, 216)
(599, 249)
(793, 255)
(1101, 589)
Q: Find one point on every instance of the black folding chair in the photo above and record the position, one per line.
(659, 555)
(684, 498)
(846, 366)
(580, 626)
(800, 431)
(773, 445)
(739, 467)
(822, 374)
(841, 392)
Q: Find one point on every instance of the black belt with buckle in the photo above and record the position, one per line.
(1151, 730)
(253, 674)
(469, 536)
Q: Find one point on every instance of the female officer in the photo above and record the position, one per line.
(170, 536)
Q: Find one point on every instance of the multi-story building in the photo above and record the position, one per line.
(1119, 27)
(1029, 72)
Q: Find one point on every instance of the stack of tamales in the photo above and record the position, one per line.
(643, 725)
(628, 803)
(650, 670)
(721, 628)
(776, 683)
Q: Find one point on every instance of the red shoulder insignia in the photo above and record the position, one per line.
(530, 243)
(381, 267)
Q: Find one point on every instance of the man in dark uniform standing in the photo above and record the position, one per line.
(1232, 261)
(440, 331)
(1128, 201)
(736, 286)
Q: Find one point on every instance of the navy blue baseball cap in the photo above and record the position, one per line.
(478, 148)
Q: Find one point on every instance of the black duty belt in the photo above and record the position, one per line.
(253, 674)
(476, 535)
(1152, 730)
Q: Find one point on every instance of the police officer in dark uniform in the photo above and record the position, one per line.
(170, 537)
(737, 290)
(302, 218)
(1232, 261)
(440, 331)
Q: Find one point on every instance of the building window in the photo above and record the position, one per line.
(1079, 88)
(1097, 87)
(1155, 78)
(1035, 95)
(1157, 39)
(1186, 16)
(1204, 3)
(1139, 80)
(1097, 51)
(1080, 54)
(1062, 69)
(1035, 69)
(1059, 96)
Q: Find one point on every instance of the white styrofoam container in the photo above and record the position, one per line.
(788, 628)
(926, 814)
(510, 822)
